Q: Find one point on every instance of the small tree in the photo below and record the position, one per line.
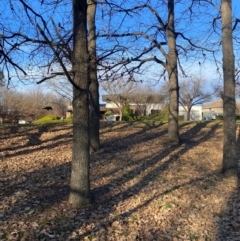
(146, 98)
(193, 92)
(119, 93)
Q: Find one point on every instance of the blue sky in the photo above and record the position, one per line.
(196, 27)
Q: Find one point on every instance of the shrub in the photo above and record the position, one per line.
(127, 113)
(69, 119)
(220, 117)
(108, 112)
(47, 119)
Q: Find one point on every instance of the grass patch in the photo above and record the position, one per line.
(52, 119)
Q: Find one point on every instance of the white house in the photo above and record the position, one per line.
(195, 114)
(154, 105)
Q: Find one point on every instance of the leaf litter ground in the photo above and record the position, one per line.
(145, 188)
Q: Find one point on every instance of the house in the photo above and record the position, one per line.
(103, 110)
(214, 107)
(195, 113)
(139, 104)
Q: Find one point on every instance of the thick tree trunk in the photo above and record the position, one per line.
(229, 103)
(80, 181)
(173, 130)
(94, 86)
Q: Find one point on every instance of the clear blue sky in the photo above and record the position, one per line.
(196, 27)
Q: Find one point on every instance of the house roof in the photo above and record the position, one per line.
(217, 104)
(214, 104)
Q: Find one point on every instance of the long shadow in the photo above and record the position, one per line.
(150, 161)
(107, 198)
(18, 130)
(119, 126)
(35, 189)
(49, 186)
(116, 146)
(108, 219)
(229, 224)
(34, 141)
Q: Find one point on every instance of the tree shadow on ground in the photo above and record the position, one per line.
(43, 189)
(150, 169)
(107, 199)
(119, 126)
(114, 149)
(33, 142)
(27, 191)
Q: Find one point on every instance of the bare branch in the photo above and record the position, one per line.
(237, 20)
(58, 57)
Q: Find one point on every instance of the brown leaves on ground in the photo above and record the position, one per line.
(144, 187)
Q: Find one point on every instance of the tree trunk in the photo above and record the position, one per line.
(94, 86)
(188, 114)
(173, 130)
(80, 181)
(229, 103)
(120, 113)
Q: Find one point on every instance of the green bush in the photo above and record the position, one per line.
(127, 113)
(127, 110)
(220, 117)
(108, 112)
(68, 120)
(48, 119)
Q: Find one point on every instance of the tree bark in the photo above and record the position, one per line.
(229, 103)
(188, 114)
(94, 85)
(80, 181)
(172, 70)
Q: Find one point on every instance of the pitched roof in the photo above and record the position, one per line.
(214, 104)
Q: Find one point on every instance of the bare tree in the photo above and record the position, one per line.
(61, 87)
(80, 180)
(193, 91)
(229, 103)
(53, 43)
(119, 93)
(94, 85)
(147, 100)
(159, 43)
(172, 70)
(28, 105)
